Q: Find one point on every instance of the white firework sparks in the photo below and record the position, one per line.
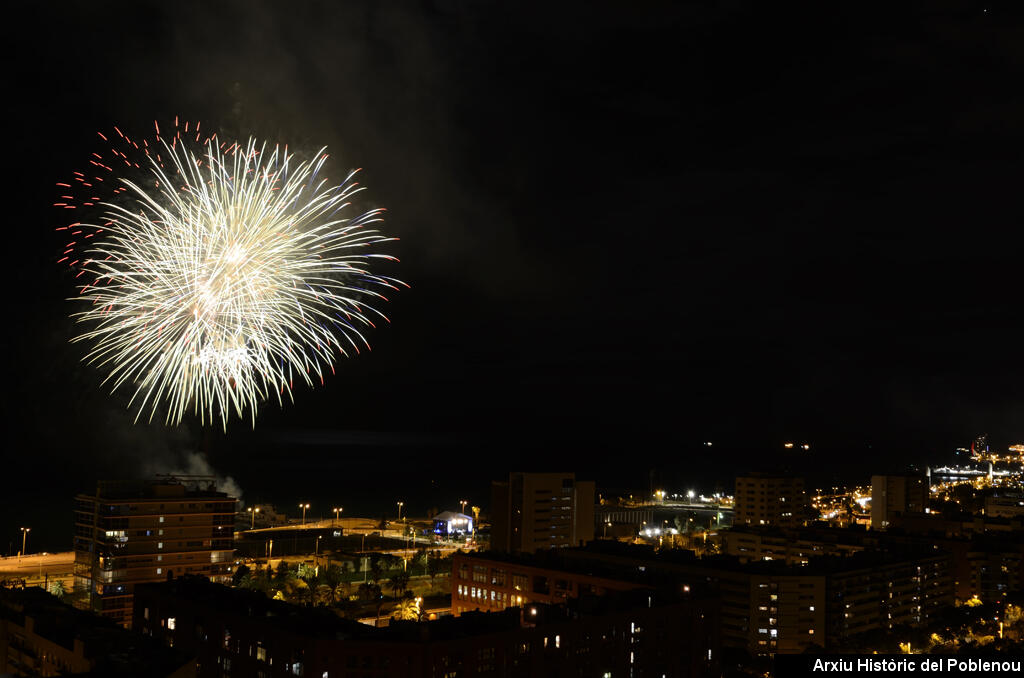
(228, 275)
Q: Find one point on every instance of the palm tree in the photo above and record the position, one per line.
(56, 588)
(376, 571)
(399, 583)
(435, 566)
(408, 609)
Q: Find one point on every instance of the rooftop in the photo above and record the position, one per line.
(159, 487)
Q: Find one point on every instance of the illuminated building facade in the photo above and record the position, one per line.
(764, 499)
(771, 607)
(493, 581)
(537, 511)
(128, 533)
(896, 495)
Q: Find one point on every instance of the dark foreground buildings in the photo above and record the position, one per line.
(236, 632)
(41, 636)
(127, 533)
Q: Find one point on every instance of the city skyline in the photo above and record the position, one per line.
(685, 257)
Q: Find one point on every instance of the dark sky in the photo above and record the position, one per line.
(626, 232)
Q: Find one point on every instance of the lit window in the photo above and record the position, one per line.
(811, 608)
(170, 623)
(159, 570)
(161, 519)
(159, 544)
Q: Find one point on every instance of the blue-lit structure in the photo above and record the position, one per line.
(450, 523)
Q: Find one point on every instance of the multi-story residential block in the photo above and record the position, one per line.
(127, 533)
(764, 499)
(897, 495)
(537, 511)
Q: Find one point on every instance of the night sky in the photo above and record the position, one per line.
(627, 233)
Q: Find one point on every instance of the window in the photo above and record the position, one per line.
(159, 544)
(171, 621)
(159, 570)
(261, 652)
(161, 519)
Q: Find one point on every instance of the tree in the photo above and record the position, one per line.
(306, 572)
(340, 591)
(376, 571)
(282, 574)
(408, 609)
(369, 591)
(56, 588)
(324, 595)
(421, 558)
(295, 590)
(434, 567)
(241, 573)
(399, 583)
(372, 593)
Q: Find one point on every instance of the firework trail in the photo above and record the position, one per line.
(218, 273)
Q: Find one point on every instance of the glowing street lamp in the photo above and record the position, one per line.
(400, 505)
(303, 507)
(24, 536)
(463, 502)
(336, 512)
(253, 511)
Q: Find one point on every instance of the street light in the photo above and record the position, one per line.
(24, 536)
(400, 505)
(336, 512)
(253, 511)
(463, 502)
(303, 507)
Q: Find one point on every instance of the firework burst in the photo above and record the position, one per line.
(218, 274)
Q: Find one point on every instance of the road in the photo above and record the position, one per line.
(39, 568)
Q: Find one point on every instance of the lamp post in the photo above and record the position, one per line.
(303, 507)
(463, 502)
(24, 536)
(336, 512)
(400, 505)
(253, 512)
